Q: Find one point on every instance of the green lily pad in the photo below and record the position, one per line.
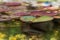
(43, 19)
(27, 18)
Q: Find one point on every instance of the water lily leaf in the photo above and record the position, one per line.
(27, 18)
(42, 19)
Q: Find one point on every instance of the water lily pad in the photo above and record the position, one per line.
(27, 18)
(43, 18)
